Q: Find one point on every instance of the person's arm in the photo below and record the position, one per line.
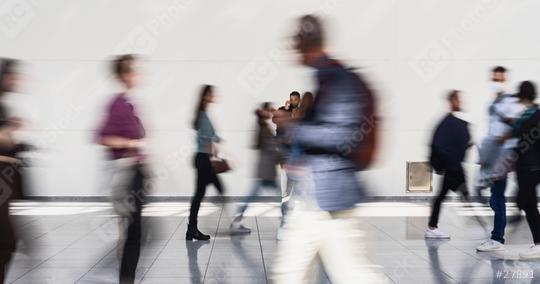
(287, 105)
(217, 139)
(283, 118)
(117, 142)
(519, 127)
(6, 137)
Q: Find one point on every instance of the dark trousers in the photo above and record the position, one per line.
(453, 180)
(205, 176)
(5, 257)
(132, 246)
(497, 202)
(10, 188)
(527, 200)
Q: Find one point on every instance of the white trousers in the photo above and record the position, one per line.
(335, 237)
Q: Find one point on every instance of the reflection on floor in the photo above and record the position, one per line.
(77, 243)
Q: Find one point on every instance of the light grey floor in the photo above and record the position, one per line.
(77, 243)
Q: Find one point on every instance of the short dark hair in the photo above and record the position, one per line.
(498, 69)
(310, 33)
(453, 94)
(266, 105)
(294, 94)
(527, 91)
(122, 64)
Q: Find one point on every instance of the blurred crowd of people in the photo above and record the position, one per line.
(511, 145)
(320, 142)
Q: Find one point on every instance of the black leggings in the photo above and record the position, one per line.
(5, 257)
(453, 180)
(10, 188)
(205, 176)
(527, 200)
(132, 246)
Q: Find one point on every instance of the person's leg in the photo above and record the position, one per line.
(498, 204)
(296, 251)
(458, 183)
(203, 179)
(8, 239)
(527, 201)
(286, 203)
(221, 199)
(343, 251)
(216, 181)
(257, 185)
(5, 258)
(436, 205)
(132, 246)
(481, 183)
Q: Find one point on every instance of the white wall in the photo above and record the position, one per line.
(413, 51)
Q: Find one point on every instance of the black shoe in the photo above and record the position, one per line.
(194, 233)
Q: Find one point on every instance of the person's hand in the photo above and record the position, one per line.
(287, 104)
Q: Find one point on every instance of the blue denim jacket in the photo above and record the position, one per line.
(330, 132)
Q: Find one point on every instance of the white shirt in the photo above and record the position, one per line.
(505, 107)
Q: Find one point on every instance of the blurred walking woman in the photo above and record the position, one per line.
(527, 167)
(123, 134)
(206, 138)
(10, 179)
(268, 159)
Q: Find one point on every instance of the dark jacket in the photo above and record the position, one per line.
(267, 146)
(449, 144)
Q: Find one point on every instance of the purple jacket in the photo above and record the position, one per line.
(121, 120)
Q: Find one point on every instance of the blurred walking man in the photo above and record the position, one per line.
(448, 147)
(326, 224)
(496, 156)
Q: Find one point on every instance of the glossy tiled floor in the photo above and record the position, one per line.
(76, 243)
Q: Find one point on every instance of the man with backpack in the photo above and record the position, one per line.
(448, 147)
(331, 137)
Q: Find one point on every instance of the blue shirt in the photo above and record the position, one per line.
(206, 134)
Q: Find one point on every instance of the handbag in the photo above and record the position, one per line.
(219, 165)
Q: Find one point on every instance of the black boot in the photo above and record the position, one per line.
(194, 233)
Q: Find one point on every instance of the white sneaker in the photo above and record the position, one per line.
(490, 245)
(532, 253)
(238, 228)
(436, 234)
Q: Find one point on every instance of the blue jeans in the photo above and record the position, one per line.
(497, 203)
(286, 203)
(258, 185)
